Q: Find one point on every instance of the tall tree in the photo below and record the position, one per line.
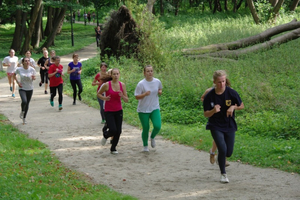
(33, 17)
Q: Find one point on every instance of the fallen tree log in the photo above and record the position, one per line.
(234, 54)
(245, 42)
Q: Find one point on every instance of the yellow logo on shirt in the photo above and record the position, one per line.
(228, 103)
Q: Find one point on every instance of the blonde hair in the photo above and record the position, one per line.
(219, 73)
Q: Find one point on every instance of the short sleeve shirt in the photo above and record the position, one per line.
(219, 121)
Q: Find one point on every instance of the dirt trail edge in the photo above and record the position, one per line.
(170, 171)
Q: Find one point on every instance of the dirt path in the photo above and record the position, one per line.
(171, 171)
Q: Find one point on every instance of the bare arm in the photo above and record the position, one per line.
(103, 89)
(124, 93)
(141, 96)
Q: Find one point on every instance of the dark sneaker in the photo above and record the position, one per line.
(40, 84)
(46, 92)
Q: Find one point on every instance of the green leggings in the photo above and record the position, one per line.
(156, 120)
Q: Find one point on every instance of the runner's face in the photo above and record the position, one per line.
(103, 68)
(148, 73)
(115, 74)
(220, 82)
(57, 61)
(28, 54)
(26, 62)
(12, 53)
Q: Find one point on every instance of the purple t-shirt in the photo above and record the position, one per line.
(75, 75)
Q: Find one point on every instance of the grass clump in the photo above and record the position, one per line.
(28, 170)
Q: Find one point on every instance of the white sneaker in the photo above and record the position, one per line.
(103, 141)
(24, 121)
(153, 143)
(224, 178)
(114, 152)
(22, 114)
(146, 149)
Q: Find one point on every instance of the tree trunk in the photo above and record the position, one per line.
(295, 34)
(176, 4)
(16, 44)
(49, 25)
(225, 5)
(234, 6)
(161, 8)
(231, 49)
(57, 22)
(294, 5)
(253, 11)
(149, 6)
(37, 33)
(34, 15)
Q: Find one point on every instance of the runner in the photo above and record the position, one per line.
(147, 92)
(74, 69)
(115, 91)
(219, 105)
(11, 63)
(56, 82)
(26, 76)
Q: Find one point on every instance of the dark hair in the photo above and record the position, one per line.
(103, 63)
(146, 67)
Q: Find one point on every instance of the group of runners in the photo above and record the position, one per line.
(219, 101)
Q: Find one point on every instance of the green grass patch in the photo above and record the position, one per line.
(28, 170)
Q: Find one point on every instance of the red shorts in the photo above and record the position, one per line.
(10, 74)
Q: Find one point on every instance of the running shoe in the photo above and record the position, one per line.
(24, 121)
(114, 152)
(22, 114)
(79, 97)
(40, 84)
(46, 92)
(212, 158)
(153, 143)
(13, 95)
(10, 88)
(103, 141)
(224, 178)
(145, 149)
(60, 107)
(51, 103)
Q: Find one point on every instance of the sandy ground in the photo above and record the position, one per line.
(170, 171)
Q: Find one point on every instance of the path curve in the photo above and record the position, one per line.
(171, 171)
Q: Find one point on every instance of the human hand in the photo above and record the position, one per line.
(230, 111)
(147, 93)
(107, 98)
(159, 91)
(217, 108)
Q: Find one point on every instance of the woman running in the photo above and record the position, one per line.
(26, 76)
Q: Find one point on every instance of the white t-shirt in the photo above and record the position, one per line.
(13, 63)
(32, 62)
(26, 77)
(151, 102)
